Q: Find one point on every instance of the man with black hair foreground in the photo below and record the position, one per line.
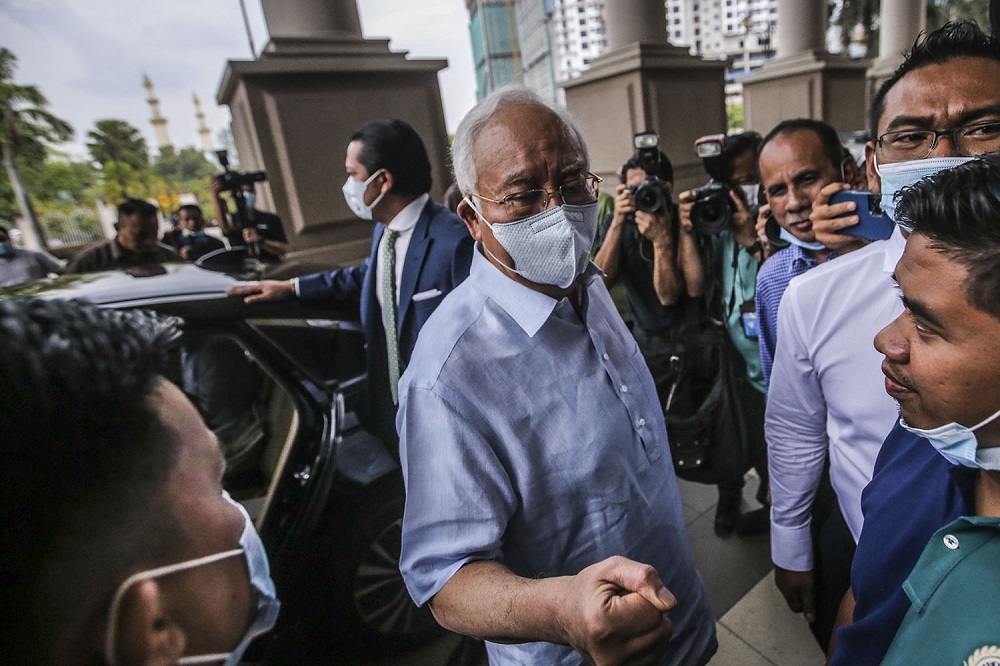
(136, 244)
(419, 252)
(120, 545)
(936, 486)
(826, 398)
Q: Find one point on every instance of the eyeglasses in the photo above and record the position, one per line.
(574, 193)
(970, 141)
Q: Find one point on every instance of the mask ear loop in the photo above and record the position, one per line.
(109, 645)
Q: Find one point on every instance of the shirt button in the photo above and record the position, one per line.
(950, 541)
(606, 356)
(642, 422)
(624, 388)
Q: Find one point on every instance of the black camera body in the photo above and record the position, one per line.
(652, 194)
(233, 181)
(713, 208)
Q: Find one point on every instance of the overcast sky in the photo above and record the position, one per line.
(88, 56)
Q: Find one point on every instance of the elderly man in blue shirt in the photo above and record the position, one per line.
(542, 511)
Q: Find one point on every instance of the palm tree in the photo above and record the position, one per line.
(25, 127)
(118, 141)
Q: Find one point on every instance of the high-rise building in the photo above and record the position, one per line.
(544, 42)
(495, 50)
(534, 29)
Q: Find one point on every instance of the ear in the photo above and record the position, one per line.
(874, 183)
(471, 219)
(387, 181)
(146, 634)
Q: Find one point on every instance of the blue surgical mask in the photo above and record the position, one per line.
(250, 199)
(267, 604)
(354, 195)
(551, 247)
(957, 443)
(6, 249)
(898, 175)
(789, 237)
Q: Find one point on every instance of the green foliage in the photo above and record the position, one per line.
(119, 181)
(734, 116)
(118, 141)
(848, 14)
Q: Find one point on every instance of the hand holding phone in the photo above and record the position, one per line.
(873, 224)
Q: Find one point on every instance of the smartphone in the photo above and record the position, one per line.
(874, 224)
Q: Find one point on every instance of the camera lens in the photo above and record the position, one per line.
(711, 214)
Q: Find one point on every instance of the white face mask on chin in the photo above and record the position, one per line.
(551, 247)
(958, 444)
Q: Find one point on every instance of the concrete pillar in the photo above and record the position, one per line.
(306, 18)
(803, 80)
(800, 27)
(643, 83)
(295, 107)
(900, 23)
(628, 21)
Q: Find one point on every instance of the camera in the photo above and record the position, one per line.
(233, 181)
(712, 212)
(652, 194)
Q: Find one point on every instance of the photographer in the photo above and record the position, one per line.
(641, 245)
(260, 231)
(720, 214)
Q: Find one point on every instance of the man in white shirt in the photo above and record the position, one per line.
(826, 394)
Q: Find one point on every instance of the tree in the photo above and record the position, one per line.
(25, 129)
(118, 141)
(850, 14)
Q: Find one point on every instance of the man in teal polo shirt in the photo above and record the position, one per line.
(942, 365)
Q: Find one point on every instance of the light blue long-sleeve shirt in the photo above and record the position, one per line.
(531, 435)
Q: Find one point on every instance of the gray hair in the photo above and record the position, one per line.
(468, 130)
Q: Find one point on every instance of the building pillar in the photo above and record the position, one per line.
(901, 21)
(628, 21)
(803, 80)
(294, 108)
(643, 83)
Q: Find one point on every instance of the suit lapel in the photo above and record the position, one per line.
(416, 253)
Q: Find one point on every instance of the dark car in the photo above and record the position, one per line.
(280, 384)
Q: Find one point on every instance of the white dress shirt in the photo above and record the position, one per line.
(827, 392)
(403, 223)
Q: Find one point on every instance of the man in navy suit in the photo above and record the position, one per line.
(427, 248)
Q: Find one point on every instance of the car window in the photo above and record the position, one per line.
(252, 414)
(328, 350)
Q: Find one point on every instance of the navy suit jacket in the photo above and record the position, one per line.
(437, 260)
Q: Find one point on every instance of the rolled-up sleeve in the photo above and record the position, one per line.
(797, 439)
(459, 496)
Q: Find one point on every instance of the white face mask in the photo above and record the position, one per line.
(958, 444)
(789, 237)
(551, 247)
(267, 604)
(898, 175)
(354, 195)
(751, 192)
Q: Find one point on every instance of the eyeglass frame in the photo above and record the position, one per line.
(505, 201)
(950, 133)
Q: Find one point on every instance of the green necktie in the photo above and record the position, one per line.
(388, 286)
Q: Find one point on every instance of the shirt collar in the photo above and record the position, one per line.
(529, 308)
(407, 218)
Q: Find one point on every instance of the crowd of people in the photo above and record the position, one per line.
(541, 433)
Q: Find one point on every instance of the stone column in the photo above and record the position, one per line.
(803, 80)
(800, 27)
(643, 83)
(305, 18)
(901, 22)
(628, 21)
(295, 107)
